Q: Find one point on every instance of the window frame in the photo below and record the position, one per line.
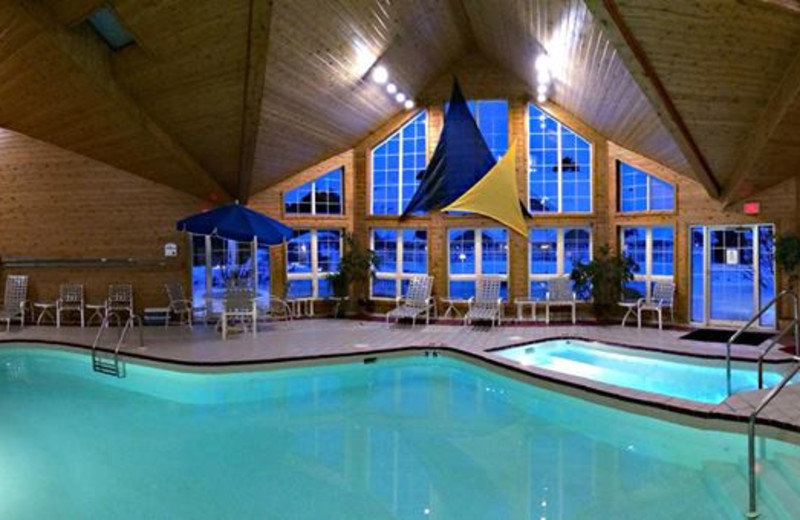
(313, 183)
(371, 165)
(560, 182)
(648, 277)
(560, 256)
(397, 275)
(648, 191)
(478, 258)
(315, 274)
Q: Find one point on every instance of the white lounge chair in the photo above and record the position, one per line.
(120, 303)
(417, 301)
(661, 297)
(486, 305)
(240, 311)
(70, 299)
(559, 294)
(14, 300)
(179, 305)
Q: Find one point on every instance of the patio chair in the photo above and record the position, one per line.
(119, 302)
(14, 300)
(70, 299)
(240, 310)
(559, 294)
(274, 309)
(179, 305)
(486, 305)
(661, 297)
(417, 301)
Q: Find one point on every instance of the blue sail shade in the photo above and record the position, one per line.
(460, 160)
(236, 222)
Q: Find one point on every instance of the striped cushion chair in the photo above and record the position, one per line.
(417, 301)
(14, 300)
(486, 305)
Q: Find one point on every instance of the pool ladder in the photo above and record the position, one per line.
(793, 326)
(106, 362)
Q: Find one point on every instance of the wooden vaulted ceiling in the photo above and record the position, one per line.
(223, 99)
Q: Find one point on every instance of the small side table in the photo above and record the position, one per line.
(633, 309)
(451, 307)
(45, 309)
(97, 310)
(159, 313)
(521, 304)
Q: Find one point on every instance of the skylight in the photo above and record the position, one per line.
(107, 25)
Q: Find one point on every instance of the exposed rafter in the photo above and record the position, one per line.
(644, 73)
(90, 60)
(784, 95)
(257, 46)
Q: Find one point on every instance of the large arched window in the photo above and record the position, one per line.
(396, 162)
(560, 167)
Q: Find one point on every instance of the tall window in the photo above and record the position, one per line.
(560, 167)
(322, 196)
(640, 191)
(652, 248)
(396, 162)
(474, 253)
(217, 261)
(402, 254)
(312, 255)
(553, 252)
(492, 118)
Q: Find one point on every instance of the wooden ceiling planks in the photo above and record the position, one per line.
(317, 100)
(720, 61)
(590, 79)
(63, 92)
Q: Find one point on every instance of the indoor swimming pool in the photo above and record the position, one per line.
(410, 437)
(685, 377)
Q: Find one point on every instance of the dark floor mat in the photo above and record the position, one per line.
(722, 336)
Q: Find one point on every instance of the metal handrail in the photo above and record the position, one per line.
(751, 438)
(747, 325)
(775, 341)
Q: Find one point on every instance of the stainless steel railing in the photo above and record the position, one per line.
(794, 326)
(752, 511)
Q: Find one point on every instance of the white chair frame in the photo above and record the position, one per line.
(15, 300)
(418, 300)
(179, 305)
(661, 297)
(70, 299)
(487, 303)
(560, 294)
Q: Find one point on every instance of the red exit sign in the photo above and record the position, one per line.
(751, 208)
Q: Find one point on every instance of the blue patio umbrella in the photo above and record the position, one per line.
(236, 222)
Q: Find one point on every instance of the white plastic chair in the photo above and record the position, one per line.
(14, 300)
(417, 301)
(486, 305)
(70, 299)
(179, 305)
(240, 310)
(120, 302)
(559, 294)
(662, 297)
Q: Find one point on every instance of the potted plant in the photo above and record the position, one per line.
(787, 256)
(603, 279)
(356, 267)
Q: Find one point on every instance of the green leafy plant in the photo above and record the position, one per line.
(356, 267)
(603, 279)
(787, 256)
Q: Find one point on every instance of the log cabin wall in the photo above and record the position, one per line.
(480, 79)
(56, 204)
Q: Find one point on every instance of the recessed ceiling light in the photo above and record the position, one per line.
(409, 104)
(543, 63)
(541, 98)
(380, 75)
(543, 77)
(391, 88)
(541, 89)
(400, 97)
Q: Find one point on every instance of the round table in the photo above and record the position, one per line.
(451, 306)
(45, 309)
(633, 308)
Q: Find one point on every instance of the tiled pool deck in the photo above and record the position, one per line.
(314, 338)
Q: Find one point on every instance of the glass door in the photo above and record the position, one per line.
(732, 273)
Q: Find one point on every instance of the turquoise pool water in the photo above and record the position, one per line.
(410, 438)
(685, 377)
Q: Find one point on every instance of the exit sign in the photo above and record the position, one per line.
(751, 208)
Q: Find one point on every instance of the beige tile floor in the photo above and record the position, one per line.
(321, 337)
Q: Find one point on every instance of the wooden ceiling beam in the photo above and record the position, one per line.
(642, 70)
(784, 95)
(73, 12)
(255, 75)
(90, 59)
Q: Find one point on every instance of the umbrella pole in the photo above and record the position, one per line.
(255, 263)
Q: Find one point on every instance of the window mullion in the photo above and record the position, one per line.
(560, 172)
(314, 265)
(398, 283)
(559, 252)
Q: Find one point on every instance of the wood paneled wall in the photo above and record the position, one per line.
(58, 204)
(481, 79)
